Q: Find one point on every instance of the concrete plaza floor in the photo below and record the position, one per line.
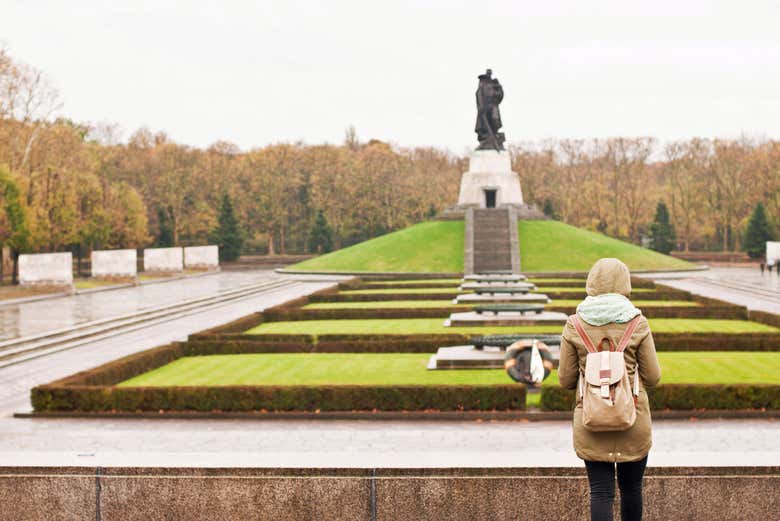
(283, 443)
(743, 286)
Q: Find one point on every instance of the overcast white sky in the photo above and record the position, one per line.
(259, 72)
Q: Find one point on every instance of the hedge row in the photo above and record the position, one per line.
(400, 345)
(663, 341)
(649, 295)
(284, 314)
(410, 285)
(684, 397)
(280, 398)
(368, 297)
(765, 317)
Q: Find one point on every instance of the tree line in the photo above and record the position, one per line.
(67, 185)
(710, 186)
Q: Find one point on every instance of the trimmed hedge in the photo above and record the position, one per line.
(650, 295)
(663, 341)
(280, 398)
(369, 297)
(410, 285)
(764, 317)
(684, 397)
(722, 312)
(285, 315)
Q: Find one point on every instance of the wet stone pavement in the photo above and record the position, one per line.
(17, 320)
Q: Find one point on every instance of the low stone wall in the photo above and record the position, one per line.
(54, 269)
(164, 259)
(201, 257)
(283, 494)
(114, 263)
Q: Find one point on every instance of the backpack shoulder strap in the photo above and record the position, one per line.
(583, 335)
(628, 333)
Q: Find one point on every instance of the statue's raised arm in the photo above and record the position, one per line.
(489, 94)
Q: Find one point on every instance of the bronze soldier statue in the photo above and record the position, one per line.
(489, 95)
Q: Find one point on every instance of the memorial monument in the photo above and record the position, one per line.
(490, 181)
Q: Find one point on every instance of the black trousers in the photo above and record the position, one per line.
(601, 476)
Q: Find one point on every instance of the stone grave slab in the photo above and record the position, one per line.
(472, 318)
(474, 298)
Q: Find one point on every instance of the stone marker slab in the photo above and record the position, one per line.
(467, 286)
(473, 298)
(495, 278)
(114, 263)
(46, 268)
(513, 318)
(201, 257)
(469, 357)
(164, 259)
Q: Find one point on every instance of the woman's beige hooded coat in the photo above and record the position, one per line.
(611, 276)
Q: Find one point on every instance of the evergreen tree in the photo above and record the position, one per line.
(165, 233)
(757, 233)
(227, 235)
(17, 234)
(549, 210)
(662, 231)
(321, 240)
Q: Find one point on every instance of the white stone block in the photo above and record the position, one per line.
(164, 259)
(201, 257)
(490, 171)
(773, 251)
(490, 161)
(114, 263)
(46, 268)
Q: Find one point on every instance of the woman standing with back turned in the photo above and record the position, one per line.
(605, 318)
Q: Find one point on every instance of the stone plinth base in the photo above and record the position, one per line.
(527, 298)
(468, 357)
(472, 318)
(490, 182)
(495, 279)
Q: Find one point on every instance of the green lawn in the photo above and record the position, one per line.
(407, 326)
(435, 246)
(411, 304)
(96, 283)
(410, 369)
(556, 246)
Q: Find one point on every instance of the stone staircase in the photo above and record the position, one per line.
(492, 247)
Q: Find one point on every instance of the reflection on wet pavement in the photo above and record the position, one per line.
(45, 315)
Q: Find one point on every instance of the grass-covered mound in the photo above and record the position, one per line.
(556, 246)
(435, 246)
(410, 369)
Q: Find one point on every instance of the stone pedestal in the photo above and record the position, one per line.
(501, 298)
(472, 318)
(490, 182)
(467, 357)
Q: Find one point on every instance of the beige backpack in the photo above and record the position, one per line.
(607, 400)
